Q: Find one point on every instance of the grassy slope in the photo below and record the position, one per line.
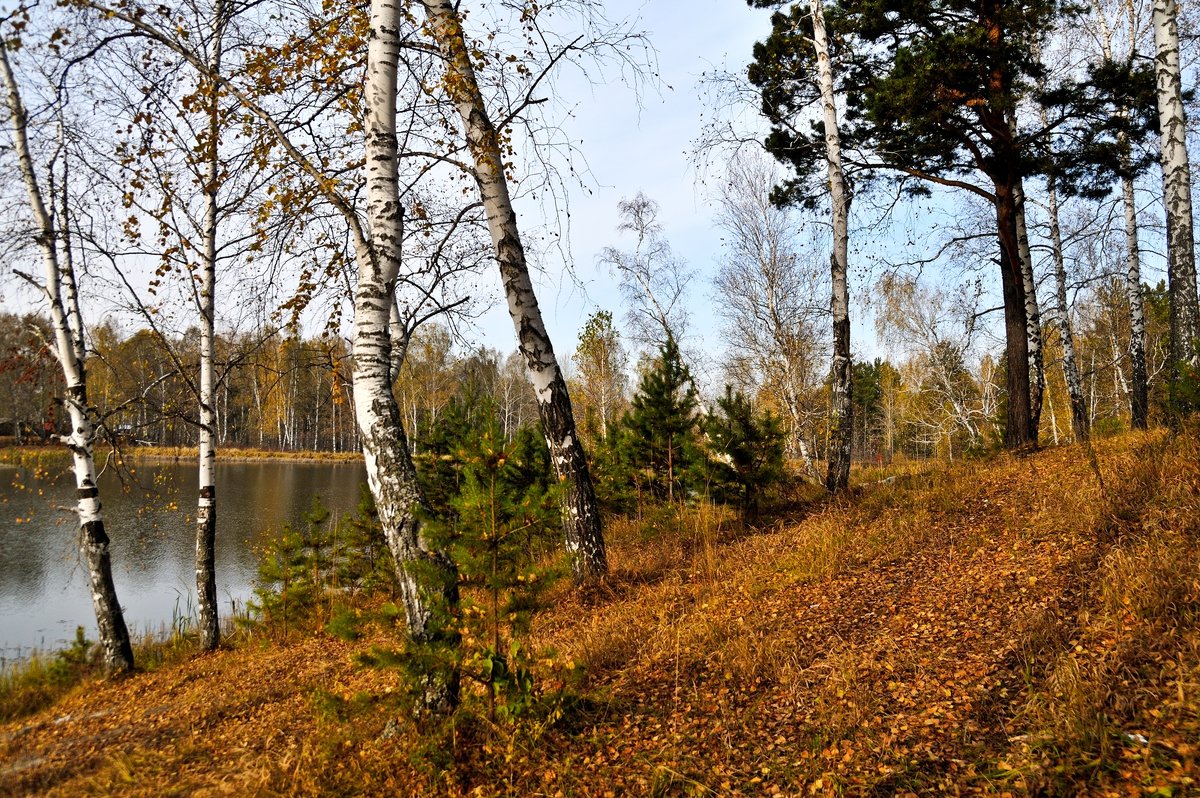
(995, 627)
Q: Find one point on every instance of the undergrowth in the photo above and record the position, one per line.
(999, 625)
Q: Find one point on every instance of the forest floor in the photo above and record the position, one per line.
(1007, 626)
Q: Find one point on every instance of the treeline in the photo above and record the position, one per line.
(289, 392)
(279, 390)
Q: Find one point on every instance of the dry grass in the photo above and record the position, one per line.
(1120, 697)
(33, 455)
(996, 626)
(240, 454)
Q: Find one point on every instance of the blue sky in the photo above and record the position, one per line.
(646, 147)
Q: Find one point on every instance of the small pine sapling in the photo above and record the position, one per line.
(506, 515)
(505, 519)
(744, 452)
(658, 437)
(363, 562)
(292, 569)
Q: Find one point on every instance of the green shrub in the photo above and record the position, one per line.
(310, 571)
(744, 452)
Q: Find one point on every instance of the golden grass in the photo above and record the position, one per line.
(249, 454)
(27, 455)
(996, 626)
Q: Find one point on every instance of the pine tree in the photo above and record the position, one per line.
(501, 524)
(444, 447)
(745, 452)
(291, 573)
(658, 436)
(931, 92)
(361, 557)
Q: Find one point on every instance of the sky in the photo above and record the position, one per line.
(644, 146)
(631, 140)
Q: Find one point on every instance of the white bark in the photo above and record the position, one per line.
(840, 417)
(1177, 183)
(584, 538)
(1033, 313)
(765, 284)
(206, 502)
(1079, 413)
(69, 288)
(94, 542)
(390, 472)
(1140, 399)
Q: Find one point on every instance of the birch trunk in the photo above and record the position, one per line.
(1080, 423)
(1079, 412)
(1139, 405)
(206, 503)
(94, 542)
(1033, 313)
(582, 527)
(841, 424)
(1053, 418)
(69, 288)
(1177, 197)
(1139, 402)
(428, 596)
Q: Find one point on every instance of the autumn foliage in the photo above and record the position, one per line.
(1007, 626)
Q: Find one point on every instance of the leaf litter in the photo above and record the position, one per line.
(997, 627)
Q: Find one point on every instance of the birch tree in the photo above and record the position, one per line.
(841, 421)
(1177, 192)
(923, 321)
(206, 504)
(584, 537)
(931, 90)
(654, 281)
(1139, 380)
(1126, 97)
(1080, 422)
(1033, 310)
(764, 292)
(390, 470)
(181, 162)
(59, 287)
(1139, 409)
(427, 577)
(600, 358)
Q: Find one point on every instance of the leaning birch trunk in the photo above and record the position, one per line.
(206, 503)
(1177, 193)
(114, 636)
(1033, 314)
(584, 537)
(430, 591)
(1070, 366)
(841, 425)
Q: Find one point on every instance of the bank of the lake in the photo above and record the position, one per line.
(11, 453)
(1007, 626)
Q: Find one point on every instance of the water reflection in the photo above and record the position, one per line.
(44, 591)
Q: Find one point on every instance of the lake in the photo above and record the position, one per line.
(44, 593)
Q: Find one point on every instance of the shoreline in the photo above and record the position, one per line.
(157, 454)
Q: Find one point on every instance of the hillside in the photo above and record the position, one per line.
(1004, 626)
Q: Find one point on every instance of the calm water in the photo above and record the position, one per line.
(44, 590)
